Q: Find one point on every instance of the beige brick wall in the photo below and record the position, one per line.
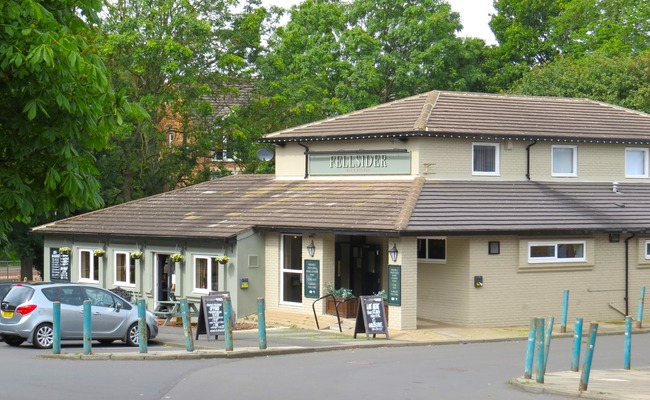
(405, 315)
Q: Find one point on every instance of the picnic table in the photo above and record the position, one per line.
(169, 309)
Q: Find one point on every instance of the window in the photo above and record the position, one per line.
(124, 269)
(636, 163)
(432, 249)
(291, 265)
(88, 266)
(556, 252)
(485, 159)
(564, 160)
(206, 274)
(647, 250)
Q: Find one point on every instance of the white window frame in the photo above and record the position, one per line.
(647, 249)
(92, 278)
(574, 160)
(555, 258)
(497, 159)
(127, 282)
(284, 270)
(645, 162)
(211, 266)
(434, 260)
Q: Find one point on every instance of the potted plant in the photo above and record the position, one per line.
(222, 259)
(99, 253)
(65, 250)
(136, 255)
(176, 257)
(343, 298)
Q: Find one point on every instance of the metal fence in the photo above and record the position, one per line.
(10, 271)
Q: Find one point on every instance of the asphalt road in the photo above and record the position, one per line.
(459, 371)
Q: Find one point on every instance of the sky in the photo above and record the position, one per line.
(474, 15)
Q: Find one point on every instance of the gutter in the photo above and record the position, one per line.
(306, 159)
(528, 158)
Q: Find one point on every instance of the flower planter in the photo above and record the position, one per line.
(347, 309)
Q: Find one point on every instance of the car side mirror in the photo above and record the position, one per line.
(118, 307)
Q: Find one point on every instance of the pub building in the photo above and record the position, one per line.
(464, 208)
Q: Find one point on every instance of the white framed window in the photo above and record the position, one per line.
(88, 266)
(432, 249)
(636, 162)
(485, 158)
(124, 269)
(206, 274)
(564, 160)
(647, 249)
(556, 251)
(291, 269)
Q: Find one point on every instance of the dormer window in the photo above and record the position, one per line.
(485, 159)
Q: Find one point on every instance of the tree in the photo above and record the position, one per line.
(57, 109)
(174, 59)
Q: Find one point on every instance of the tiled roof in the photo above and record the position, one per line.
(479, 115)
(449, 207)
(225, 207)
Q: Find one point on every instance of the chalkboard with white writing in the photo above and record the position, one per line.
(371, 317)
(211, 315)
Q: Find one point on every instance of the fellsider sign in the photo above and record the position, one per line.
(360, 163)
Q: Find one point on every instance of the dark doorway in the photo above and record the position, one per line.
(165, 277)
(358, 267)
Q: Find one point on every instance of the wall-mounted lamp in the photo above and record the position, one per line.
(393, 252)
(311, 249)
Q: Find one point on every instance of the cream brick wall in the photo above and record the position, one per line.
(405, 316)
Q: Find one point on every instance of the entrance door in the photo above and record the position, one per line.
(164, 277)
(358, 267)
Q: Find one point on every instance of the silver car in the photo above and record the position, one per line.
(27, 315)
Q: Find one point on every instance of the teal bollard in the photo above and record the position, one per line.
(539, 339)
(548, 335)
(586, 367)
(187, 326)
(565, 311)
(639, 315)
(261, 323)
(628, 342)
(530, 350)
(56, 327)
(88, 334)
(577, 341)
(227, 306)
(142, 326)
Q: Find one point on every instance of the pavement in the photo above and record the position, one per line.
(289, 334)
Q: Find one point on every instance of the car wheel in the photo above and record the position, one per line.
(14, 341)
(133, 335)
(43, 336)
(106, 341)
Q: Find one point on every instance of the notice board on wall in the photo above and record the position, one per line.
(59, 265)
(312, 279)
(371, 317)
(211, 315)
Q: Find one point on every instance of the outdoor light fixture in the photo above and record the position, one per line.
(311, 249)
(393, 252)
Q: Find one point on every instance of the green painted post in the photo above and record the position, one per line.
(142, 326)
(530, 350)
(261, 323)
(227, 306)
(628, 342)
(639, 316)
(565, 311)
(56, 326)
(577, 341)
(88, 334)
(548, 335)
(539, 339)
(586, 367)
(187, 326)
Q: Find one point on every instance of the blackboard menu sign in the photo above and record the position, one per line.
(312, 278)
(211, 315)
(59, 266)
(371, 317)
(394, 285)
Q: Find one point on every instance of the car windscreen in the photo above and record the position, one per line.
(4, 289)
(18, 295)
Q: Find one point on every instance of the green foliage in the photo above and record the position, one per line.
(57, 109)
(341, 293)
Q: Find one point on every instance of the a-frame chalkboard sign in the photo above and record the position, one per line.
(371, 317)
(211, 315)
